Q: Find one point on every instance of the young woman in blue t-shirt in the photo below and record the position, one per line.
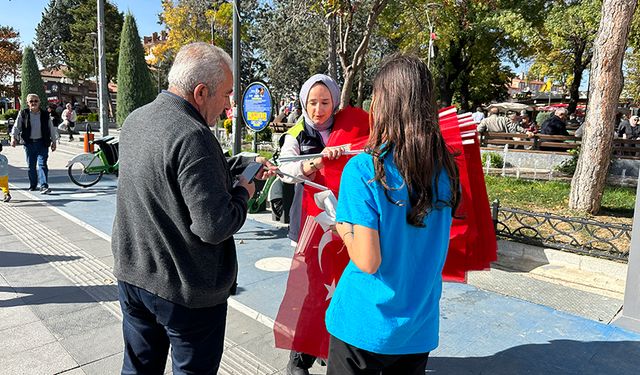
(394, 213)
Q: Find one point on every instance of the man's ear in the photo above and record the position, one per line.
(200, 93)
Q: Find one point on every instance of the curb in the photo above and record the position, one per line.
(524, 252)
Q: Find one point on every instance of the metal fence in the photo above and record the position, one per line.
(610, 241)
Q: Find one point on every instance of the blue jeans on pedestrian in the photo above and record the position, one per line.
(150, 323)
(37, 154)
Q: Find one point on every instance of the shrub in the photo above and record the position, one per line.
(541, 117)
(569, 166)
(9, 114)
(265, 135)
(228, 125)
(366, 104)
(248, 138)
(495, 160)
(81, 118)
(92, 117)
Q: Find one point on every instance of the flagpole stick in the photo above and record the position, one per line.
(302, 180)
(286, 159)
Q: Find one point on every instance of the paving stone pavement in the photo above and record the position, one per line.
(59, 311)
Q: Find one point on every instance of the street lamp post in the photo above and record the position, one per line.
(102, 79)
(94, 41)
(237, 126)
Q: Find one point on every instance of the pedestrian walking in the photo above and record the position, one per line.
(34, 129)
(69, 118)
(4, 177)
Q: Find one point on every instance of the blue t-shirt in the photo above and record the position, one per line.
(396, 310)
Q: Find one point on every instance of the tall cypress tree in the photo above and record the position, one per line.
(31, 79)
(135, 87)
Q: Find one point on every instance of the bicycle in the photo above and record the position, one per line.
(87, 169)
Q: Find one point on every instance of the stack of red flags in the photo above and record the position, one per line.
(316, 267)
(472, 242)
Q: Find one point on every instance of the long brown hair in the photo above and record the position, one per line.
(405, 121)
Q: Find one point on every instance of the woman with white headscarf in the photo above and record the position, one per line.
(319, 98)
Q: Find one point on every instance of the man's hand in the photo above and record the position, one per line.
(14, 142)
(251, 188)
(268, 169)
(53, 146)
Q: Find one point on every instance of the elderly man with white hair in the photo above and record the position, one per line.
(34, 129)
(630, 129)
(177, 211)
(556, 124)
(497, 124)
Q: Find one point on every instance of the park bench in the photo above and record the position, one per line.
(622, 148)
(626, 148)
(280, 127)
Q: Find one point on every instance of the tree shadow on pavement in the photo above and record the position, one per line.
(18, 259)
(40, 295)
(567, 357)
(52, 201)
(261, 234)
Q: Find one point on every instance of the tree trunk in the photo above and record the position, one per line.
(578, 68)
(446, 92)
(347, 87)
(465, 92)
(333, 59)
(605, 86)
(351, 66)
(464, 95)
(360, 88)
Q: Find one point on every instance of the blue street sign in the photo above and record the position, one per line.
(256, 106)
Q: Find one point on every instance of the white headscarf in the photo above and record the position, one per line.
(334, 89)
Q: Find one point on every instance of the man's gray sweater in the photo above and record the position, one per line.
(176, 208)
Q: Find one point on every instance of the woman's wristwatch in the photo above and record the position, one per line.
(313, 165)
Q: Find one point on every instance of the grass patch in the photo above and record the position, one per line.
(618, 203)
(266, 154)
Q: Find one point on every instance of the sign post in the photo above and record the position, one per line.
(256, 109)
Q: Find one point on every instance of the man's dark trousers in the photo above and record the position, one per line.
(37, 153)
(151, 323)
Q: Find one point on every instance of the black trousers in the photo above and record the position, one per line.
(71, 126)
(345, 359)
(151, 323)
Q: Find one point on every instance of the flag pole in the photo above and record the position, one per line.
(301, 180)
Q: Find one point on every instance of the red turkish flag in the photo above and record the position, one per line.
(316, 269)
(473, 244)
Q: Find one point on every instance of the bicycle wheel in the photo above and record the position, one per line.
(79, 177)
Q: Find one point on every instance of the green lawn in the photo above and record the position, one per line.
(553, 196)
